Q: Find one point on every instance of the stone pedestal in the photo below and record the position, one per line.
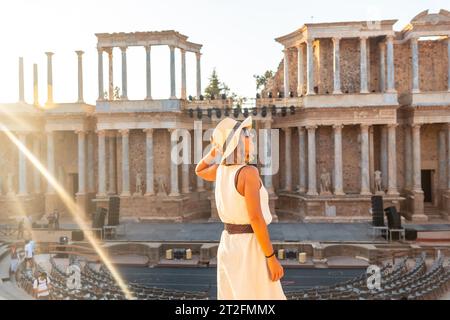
(417, 208)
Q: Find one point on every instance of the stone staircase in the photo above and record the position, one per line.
(432, 212)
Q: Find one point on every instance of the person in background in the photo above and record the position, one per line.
(41, 286)
(28, 254)
(20, 228)
(14, 262)
(56, 219)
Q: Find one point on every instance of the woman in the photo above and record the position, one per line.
(247, 267)
(14, 261)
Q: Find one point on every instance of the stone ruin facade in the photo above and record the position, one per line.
(368, 112)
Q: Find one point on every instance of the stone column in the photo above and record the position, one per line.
(183, 74)
(36, 173)
(408, 158)
(448, 157)
(174, 191)
(310, 66)
(417, 166)
(50, 159)
(21, 87)
(288, 158)
(125, 163)
(300, 70)
(286, 72)
(390, 64)
(148, 72)
(338, 176)
(111, 75)
(22, 166)
(312, 174)
(101, 95)
(365, 179)
(81, 162)
(101, 164)
(186, 162)
(442, 160)
(90, 163)
(124, 74)
(149, 162)
(384, 157)
(35, 85)
(199, 76)
(49, 78)
(382, 47)
(302, 159)
(172, 72)
(112, 163)
(448, 65)
(363, 67)
(415, 65)
(80, 76)
(392, 160)
(336, 66)
(268, 153)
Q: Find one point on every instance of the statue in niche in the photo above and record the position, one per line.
(377, 179)
(138, 184)
(161, 186)
(10, 187)
(325, 182)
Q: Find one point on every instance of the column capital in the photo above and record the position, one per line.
(364, 126)
(183, 51)
(392, 125)
(148, 48)
(109, 51)
(310, 41)
(414, 40)
(123, 49)
(382, 45)
(363, 38)
(311, 127)
(100, 133)
(338, 127)
(198, 55)
(390, 38)
(79, 53)
(286, 129)
(416, 126)
(172, 47)
(82, 131)
(149, 131)
(299, 46)
(336, 40)
(124, 132)
(301, 129)
(49, 54)
(100, 49)
(286, 50)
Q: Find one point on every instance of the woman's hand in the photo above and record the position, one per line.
(276, 271)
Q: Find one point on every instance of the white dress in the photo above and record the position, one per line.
(242, 271)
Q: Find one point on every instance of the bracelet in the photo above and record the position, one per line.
(271, 255)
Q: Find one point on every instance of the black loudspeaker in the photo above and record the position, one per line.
(410, 234)
(99, 218)
(60, 254)
(290, 254)
(113, 212)
(77, 235)
(394, 220)
(377, 211)
(179, 253)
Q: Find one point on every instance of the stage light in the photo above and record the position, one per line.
(274, 110)
(190, 98)
(227, 112)
(218, 113)
(246, 112)
(191, 113)
(209, 113)
(236, 112)
(258, 96)
(291, 94)
(280, 95)
(199, 113)
(264, 112)
(224, 96)
(292, 110)
(202, 97)
(270, 95)
(283, 111)
(255, 112)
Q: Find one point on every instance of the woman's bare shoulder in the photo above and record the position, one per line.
(249, 173)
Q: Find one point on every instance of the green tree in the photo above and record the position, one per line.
(261, 80)
(215, 87)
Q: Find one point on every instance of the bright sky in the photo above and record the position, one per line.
(237, 37)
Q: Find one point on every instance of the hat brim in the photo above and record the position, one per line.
(234, 141)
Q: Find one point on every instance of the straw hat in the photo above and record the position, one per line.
(226, 134)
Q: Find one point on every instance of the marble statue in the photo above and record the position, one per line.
(138, 183)
(377, 179)
(325, 182)
(161, 187)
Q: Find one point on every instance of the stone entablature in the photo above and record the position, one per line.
(427, 24)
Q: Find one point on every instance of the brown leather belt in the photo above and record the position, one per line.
(238, 228)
